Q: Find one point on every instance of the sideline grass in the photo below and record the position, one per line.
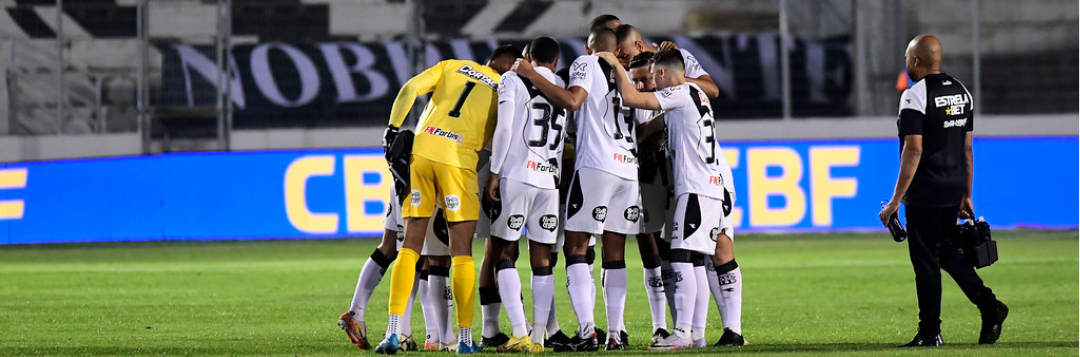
(838, 294)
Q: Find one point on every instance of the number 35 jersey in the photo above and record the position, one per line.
(691, 141)
(605, 137)
(459, 120)
(528, 141)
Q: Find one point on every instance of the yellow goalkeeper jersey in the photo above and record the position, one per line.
(460, 118)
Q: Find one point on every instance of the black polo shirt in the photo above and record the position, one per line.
(939, 108)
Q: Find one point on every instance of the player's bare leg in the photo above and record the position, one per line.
(370, 276)
(615, 283)
(728, 280)
(463, 280)
(401, 281)
(654, 283)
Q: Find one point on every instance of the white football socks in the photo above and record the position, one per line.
(614, 281)
(370, 276)
(701, 304)
(431, 327)
(714, 286)
(669, 288)
(730, 278)
(490, 303)
(654, 289)
(442, 303)
(509, 282)
(582, 292)
(543, 290)
(685, 298)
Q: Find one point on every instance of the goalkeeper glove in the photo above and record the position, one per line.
(388, 139)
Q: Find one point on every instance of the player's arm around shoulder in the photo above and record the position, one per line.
(630, 96)
(569, 99)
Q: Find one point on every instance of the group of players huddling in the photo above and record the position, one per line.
(643, 150)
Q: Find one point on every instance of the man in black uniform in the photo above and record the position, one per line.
(935, 124)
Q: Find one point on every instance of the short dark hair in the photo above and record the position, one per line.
(602, 39)
(669, 58)
(624, 31)
(642, 59)
(505, 50)
(544, 50)
(599, 21)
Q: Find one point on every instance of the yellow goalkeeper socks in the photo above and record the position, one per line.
(463, 285)
(401, 280)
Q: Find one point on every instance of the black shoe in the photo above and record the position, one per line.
(578, 344)
(599, 332)
(659, 335)
(991, 323)
(925, 341)
(614, 345)
(557, 341)
(730, 338)
(624, 338)
(494, 342)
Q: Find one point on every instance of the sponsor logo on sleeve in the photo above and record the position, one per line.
(577, 70)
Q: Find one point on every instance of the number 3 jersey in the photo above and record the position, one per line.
(528, 141)
(459, 120)
(695, 157)
(605, 136)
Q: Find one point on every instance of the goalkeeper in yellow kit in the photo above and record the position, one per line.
(456, 124)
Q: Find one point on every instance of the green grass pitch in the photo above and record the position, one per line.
(817, 294)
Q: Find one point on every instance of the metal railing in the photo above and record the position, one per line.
(44, 91)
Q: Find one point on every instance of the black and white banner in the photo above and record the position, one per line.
(350, 83)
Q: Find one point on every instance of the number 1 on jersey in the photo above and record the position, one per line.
(456, 112)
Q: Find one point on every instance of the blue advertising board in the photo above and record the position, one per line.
(781, 186)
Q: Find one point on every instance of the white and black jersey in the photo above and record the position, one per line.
(605, 136)
(692, 67)
(528, 141)
(691, 142)
(939, 108)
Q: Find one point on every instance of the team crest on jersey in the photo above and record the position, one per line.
(468, 71)
(453, 202)
(515, 222)
(436, 131)
(599, 213)
(632, 213)
(414, 198)
(713, 233)
(549, 222)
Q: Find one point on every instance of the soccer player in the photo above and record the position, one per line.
(631, 44)
(457, 123)
(606, 155)
(698, 188)
(352, 321)
(656, 191)
(607, 21)
(526, 153)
